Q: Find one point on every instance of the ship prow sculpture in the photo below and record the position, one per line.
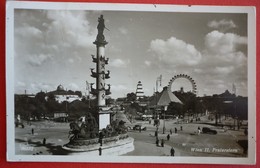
(104, 137)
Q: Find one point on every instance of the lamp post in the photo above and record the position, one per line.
(232, 102)
(235, 116)
(88, 89)
(156, 118)
(164, 128)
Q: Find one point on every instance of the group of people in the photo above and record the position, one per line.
(157, 142)
(162, 142)
(175, 130)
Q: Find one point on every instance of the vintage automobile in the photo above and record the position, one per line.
(138, 127)
(206, 130)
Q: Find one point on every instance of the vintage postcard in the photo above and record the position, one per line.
(130, 83)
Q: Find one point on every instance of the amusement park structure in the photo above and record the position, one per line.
(192, 81)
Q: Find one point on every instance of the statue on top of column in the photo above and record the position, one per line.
(101, 25)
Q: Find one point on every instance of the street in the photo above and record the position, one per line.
(186, 142)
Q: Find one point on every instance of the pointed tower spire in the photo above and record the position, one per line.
(139, 90)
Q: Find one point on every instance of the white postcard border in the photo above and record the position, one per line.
(11, 5)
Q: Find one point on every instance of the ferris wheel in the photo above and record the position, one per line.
(193, 83)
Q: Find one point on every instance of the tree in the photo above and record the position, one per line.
(40, 100)
(131, 96)
(40, 97)
(175, 109)
(52, 105)
(78, 93)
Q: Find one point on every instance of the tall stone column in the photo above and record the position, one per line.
(101, 75)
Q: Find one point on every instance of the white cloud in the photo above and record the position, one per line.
(222, 87)
(119, 90)
(38, 60)
(114, 49)
(118, 63)
(73, 87)
(218, 81)
(224, 62)
(147, 63)
(222, 24)
(37, 87)
(70, 26)
(224, 70)
(71, 60)
(21, 84)
(175, 51)
(223, 43)
(198, 70)
(238, 58)
(118, 87)
(27, 31)
(123, 30)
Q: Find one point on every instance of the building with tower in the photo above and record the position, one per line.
(61, 95)
(139, 90)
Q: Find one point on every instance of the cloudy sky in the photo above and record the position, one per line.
(54, 47)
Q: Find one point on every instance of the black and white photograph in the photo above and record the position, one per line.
(138, 83)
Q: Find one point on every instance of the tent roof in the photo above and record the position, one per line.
(167, 97)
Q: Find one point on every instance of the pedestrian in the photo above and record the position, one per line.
(157, 141)
(199, 130)
(172, 151)
(171, 131)
(32, 131)
(181, 128)
(246, 131)
(101, 138)
(156, 133)
(162, 142)
(140, 129)
(100, 151)
(175, 130)
(44, 141)
(168, 137)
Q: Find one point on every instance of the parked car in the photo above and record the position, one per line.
(206, 130)
(138, 127)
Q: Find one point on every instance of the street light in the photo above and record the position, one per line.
(235, 117)
(88, 89)
(159, 79)
(165, 109)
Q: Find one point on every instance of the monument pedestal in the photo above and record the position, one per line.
(114, 146)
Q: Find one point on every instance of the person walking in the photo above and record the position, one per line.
(175, 129)
(32, 131)
(157, 141)
(44, 141)
(199, 130)
(100, 151)
(168, 137)
(162, 142)
(101, 138)
(172, 151)
(156, 133)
